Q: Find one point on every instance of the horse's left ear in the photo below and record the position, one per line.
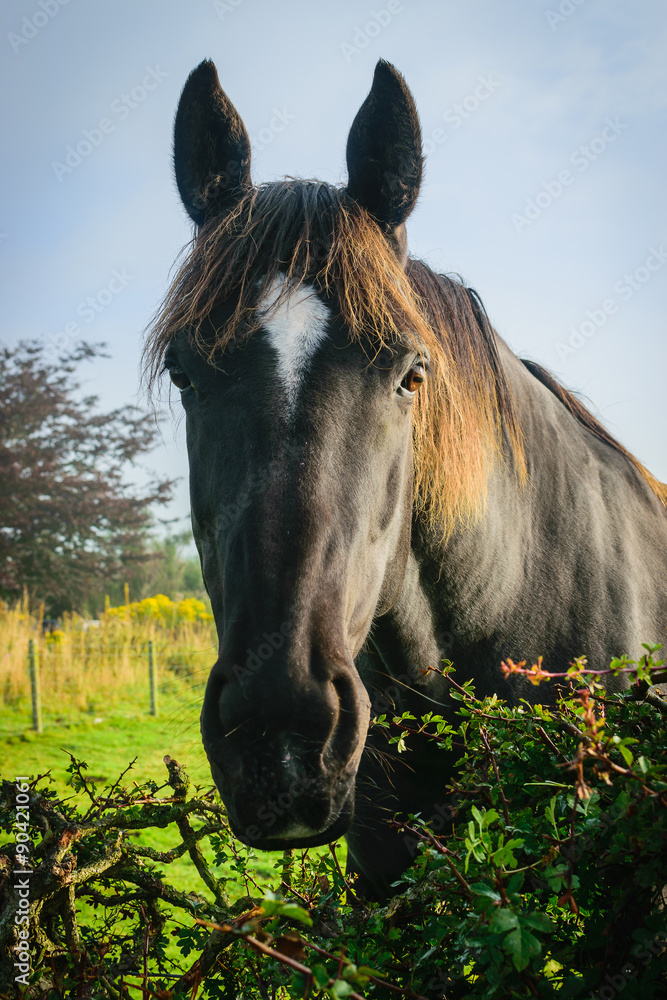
(211, 147)
(384, 150)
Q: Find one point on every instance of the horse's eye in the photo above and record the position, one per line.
(179, 378)
(414, 378)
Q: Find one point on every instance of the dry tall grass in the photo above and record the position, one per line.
(86, 664)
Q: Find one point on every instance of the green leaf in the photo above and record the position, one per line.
(321, 976)
(295, 912)
(550, 813)
(504, 855)
(514, 842)
(340, 989)
(545, 784)
(539, 922)
(271, 904)
(365, 970)
(504, 920)
(515, 882)
(482, 889)
(522, 946)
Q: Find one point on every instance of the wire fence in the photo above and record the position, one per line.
(77, 664)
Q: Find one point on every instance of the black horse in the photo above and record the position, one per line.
(377, 482)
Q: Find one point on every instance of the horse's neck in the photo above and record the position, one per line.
(511, 583)
(539, 572)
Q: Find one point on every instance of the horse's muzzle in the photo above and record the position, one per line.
(284, 755)
(300, 815)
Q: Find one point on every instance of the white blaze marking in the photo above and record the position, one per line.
(295, 329)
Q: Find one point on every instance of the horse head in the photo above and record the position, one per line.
(298, 401)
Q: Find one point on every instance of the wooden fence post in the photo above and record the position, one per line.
(152, 673)
(33, 661)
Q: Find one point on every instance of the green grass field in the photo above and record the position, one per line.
(108, 743)
(96, 706)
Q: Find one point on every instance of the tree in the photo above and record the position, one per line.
(172, 572)
(168, 570)
(68, 519)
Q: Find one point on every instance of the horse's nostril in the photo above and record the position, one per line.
(344, 739)
(343, 687)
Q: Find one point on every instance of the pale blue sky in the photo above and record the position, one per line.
(508, 93)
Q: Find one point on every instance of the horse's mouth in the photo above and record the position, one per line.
(287, 831)
(290, 839)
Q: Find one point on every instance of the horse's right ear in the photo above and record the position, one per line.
(211, 147)
(384, 150)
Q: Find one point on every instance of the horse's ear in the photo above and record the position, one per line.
(384, 150)
(211, 147)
